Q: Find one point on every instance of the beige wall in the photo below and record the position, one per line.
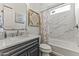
(77, 13)
(30, 29)
(18, 7)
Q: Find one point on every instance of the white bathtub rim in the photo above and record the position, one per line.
(72, 46)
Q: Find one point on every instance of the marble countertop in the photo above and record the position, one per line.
(11, 41)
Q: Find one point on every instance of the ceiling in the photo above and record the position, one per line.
(42, 6)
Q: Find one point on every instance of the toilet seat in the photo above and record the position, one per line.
(45, 46)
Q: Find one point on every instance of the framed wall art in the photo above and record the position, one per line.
(33, 18)
(19, 18)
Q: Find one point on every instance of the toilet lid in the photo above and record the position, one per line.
(45, 46)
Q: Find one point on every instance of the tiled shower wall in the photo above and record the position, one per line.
(56, 25)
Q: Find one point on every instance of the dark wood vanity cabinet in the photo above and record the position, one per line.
(34, 51)
(28, 48)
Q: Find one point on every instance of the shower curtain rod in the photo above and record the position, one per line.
(52, 7)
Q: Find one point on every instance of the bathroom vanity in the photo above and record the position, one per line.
(20, 46)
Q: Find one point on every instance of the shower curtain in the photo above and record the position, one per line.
(44, 27)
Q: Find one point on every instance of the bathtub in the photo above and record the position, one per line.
(66, 44)
(63, 48)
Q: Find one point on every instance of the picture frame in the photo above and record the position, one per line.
(19, 18)
(33, 18)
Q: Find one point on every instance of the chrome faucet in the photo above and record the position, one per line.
(5, 35)
(17, 33)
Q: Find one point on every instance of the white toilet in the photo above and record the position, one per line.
(45, 49)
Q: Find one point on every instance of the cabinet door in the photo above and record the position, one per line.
(23, 54)
(34, 51)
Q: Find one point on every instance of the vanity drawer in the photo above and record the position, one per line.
(25, 49)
